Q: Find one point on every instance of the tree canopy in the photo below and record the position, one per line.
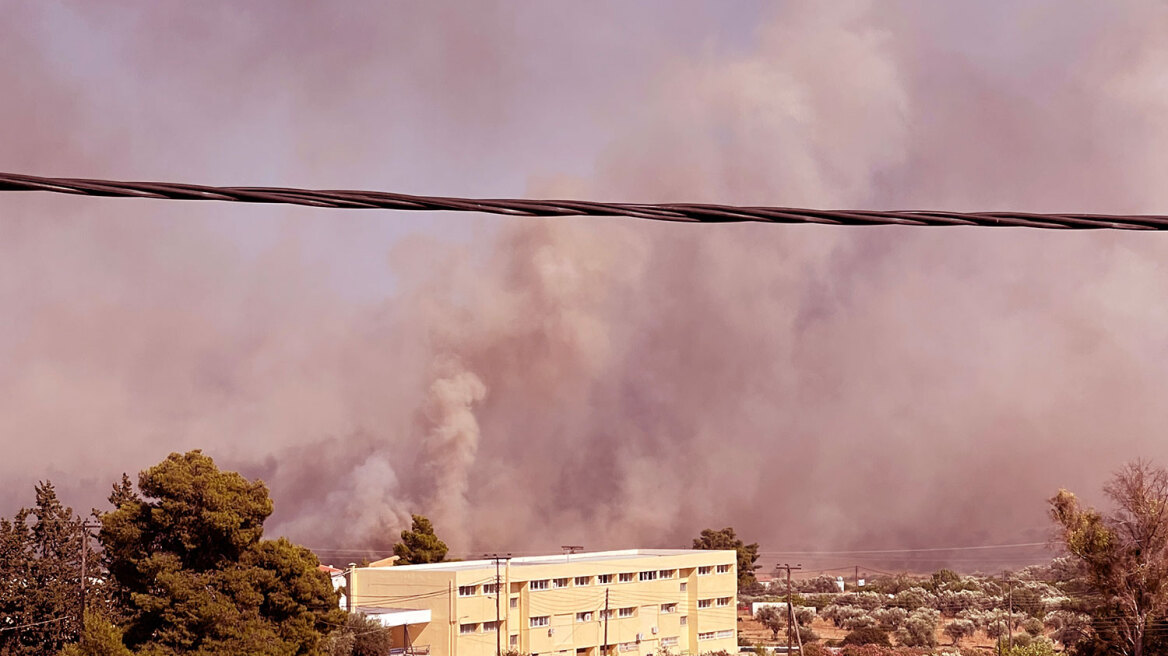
(726, 539)
(419, 544)
(193, 575)
(40, 575)
(1123, 554)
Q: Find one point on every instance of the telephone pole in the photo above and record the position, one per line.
(605, 648)
(85, 526)
(790, 607)
(499, 602)
(1010, 607)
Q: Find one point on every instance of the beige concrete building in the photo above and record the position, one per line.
(619, 603)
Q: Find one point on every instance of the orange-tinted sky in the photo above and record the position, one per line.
(533, 383)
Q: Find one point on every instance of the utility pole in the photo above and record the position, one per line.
(857, 578)
(499, 602)
(605, 648)
(1010, 617)
(85, 526)
(790, 607)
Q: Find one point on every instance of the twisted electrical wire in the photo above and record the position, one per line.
(681, 212)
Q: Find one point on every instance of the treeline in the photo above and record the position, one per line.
(1108, 593)
(176, 565)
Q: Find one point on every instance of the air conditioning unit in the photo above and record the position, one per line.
(654, 630)
(551, 632)
(639, 636)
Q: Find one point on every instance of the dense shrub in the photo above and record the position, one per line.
(860, 622)
(1069, 628)
(814, 649)
(807, 634)
(890, 618)
(821, 583)
(1024, 645)
(865, 600)
(958, 629)
(839, 615)
(819, 601)
(1039, 647)
(920, 629)
(878, 650)
(913, 598)
(951, 603)
(867, 636)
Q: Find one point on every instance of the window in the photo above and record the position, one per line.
(706, 636)
(584, 617)
(607, 614)
(560, 583)
(723, 601)
(668, 573)
(541, 620)
(683, 620)
(627, 612)
(649, 576)
(491, 588)
(723, 569)
(515, 602)
(515, 640)
(684, 586)
(582, 580)
(668, 608)
(703, 571)
(626, 577)
(669, 642)
(490, 627)
(464, 629)
(466, 590)
(705, 603)
(725, 634)
(541, 584)
(628, 646)
(603, 579)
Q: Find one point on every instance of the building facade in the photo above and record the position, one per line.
(612, 603)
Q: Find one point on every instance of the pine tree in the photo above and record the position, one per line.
(41, 571)
(195, 576)
(420, 544)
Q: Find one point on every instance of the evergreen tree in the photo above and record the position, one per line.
(420, 544)
(40, 575)
(726, 539)
(189, 564)
(100, 638)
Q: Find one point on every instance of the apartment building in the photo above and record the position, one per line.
(611, 603)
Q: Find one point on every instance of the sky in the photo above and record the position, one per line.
(529, 383)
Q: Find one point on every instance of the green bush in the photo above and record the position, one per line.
(870, 635)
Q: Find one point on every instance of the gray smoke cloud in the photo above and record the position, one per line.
(532, 383)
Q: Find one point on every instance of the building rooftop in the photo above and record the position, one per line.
(520, 561)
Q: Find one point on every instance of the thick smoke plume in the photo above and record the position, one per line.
(532, 383)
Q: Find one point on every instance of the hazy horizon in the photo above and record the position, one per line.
(529, 383)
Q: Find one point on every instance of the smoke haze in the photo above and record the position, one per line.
(531, 383)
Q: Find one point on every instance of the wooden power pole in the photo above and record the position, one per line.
(499, 602)
(790, 607)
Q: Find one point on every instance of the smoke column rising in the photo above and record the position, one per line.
(532, 383)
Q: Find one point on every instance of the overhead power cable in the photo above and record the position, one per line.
(25, 626)
(680, 212)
